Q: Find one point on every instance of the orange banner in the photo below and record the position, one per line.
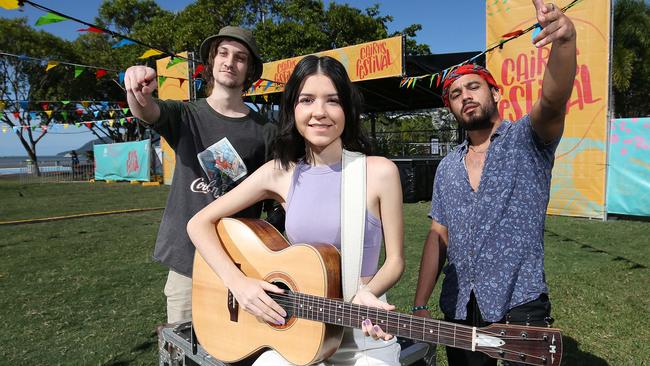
(173, 84)
(366, 61)
(578, 185)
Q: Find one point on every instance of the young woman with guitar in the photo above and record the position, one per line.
(319, 118)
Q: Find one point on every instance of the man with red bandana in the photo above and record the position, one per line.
(491, 193)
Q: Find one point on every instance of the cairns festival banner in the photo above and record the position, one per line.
(579, 175)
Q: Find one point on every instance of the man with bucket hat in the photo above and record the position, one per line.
(490, 196)
(218, 141)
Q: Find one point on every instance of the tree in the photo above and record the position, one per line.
(631, 69)
(23, 80)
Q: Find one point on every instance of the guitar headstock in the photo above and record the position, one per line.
(519, 343)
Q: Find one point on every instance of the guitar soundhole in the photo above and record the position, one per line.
(289, 319)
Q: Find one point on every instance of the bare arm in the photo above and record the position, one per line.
(140, 83)
(264, 183)
(391, 212)
(383, 181)
(434, 255)
(549, 112)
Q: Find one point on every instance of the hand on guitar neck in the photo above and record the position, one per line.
(365, 297)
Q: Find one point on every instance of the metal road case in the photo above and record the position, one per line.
(178, 347)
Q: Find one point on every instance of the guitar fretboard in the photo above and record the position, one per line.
(350, 315)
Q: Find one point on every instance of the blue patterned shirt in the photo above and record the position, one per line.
(496, 234)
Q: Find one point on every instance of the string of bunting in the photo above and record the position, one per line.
(53, 126)
(410, 81)
(53, 16)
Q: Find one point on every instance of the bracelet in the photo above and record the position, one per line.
(419, 307)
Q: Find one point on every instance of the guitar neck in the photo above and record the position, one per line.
(337, 312)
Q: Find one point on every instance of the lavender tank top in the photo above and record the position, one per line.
(313, 213)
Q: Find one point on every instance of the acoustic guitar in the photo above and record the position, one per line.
(316, 315)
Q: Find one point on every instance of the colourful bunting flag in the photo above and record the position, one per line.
(96, 113)
(174, 61)
(2, 106)
(268, 84)
(24, 104)
(77, 71)
(198, 83)
(49, 113)
(257, 84)
(125, 110)
(161, 80)
(198, 70)
(64, 114)
(121, 76)
(64, 102)
(111, 113)
(50, 65)
(90, 29)
(85, 103)
(44, 105)
(88, 124)
(77, 124)
(99, 73)
(4, 129)
(65, 125)
(17, 115)
(50, 18)
(150, 53)
(266, 97)
(122, 43)
(9, 4)
(110, 122)
(79, 112)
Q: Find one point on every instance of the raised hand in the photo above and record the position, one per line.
(365, 297)
(252, 297)
(141, 82)
(556, 25)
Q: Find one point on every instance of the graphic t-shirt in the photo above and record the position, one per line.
(213, 153)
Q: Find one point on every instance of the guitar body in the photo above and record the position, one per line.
(230, 333)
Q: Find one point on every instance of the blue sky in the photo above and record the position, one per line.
(442, 30)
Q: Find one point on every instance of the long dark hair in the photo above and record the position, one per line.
(289, 146)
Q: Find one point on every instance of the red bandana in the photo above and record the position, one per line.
(465, 70)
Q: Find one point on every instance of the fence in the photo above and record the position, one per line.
(56, 171)
(422, 143)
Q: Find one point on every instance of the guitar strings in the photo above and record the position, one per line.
(286, 300)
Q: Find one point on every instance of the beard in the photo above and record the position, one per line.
(481, 119)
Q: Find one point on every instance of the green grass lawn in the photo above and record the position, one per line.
(85, 291)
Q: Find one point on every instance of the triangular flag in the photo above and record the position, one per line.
(129, 119)
(17, 115)
(110, 122)
(9, 4)
(120, 76)
(198, 70)
(45, 105)
(79, 112)
(111, 113)
(32, 115)
(2, 106)
(198, 83)
(85, 103)
(257, 84)
(24, 104)
(50, 65)
(50, 18)
(49, 113)
(266, 97)
(65, 125)
(122, 103)
(174, 61)
(77, 124)
(99, 73)
(150, 53)
(64, 114)
(268, 83)
(78, 70)
(125, 110)
(16, 129)
(122, 43)
(90, 29)
(104, 104)
(96, 113)
(88, 124)
(64, 102)
(44, 128)
(4, 129)
(161, 80)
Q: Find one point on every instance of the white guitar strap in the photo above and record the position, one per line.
(353, 220)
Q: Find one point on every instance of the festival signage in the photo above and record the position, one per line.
(173, 84)
(123, 161)
(578, 185)
(628, 177)
(365, 61)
